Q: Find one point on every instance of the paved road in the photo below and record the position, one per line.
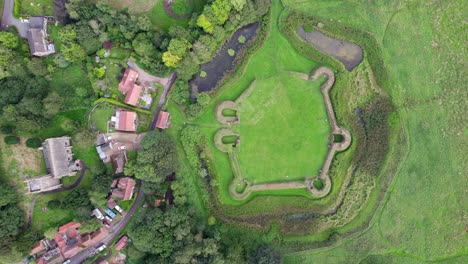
(9, 20)
(66, 188)
(114, 230)
(167, 87)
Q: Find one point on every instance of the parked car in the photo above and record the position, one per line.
(67, 261)
(106, 224)
(101, 248)
(118, 209)
(122, 148)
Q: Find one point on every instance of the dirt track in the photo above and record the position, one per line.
(308, 182)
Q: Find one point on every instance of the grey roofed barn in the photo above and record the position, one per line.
(37, 37)
(59, 157)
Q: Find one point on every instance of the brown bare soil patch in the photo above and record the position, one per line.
(347, 53)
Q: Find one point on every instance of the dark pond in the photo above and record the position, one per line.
(347, 53)
(222, 63)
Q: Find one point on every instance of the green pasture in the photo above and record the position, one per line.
(420, 218)
(284, 130)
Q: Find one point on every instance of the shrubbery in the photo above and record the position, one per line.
(318, 183)
(7, 129)
(54, 204)
(11, 140)
(33, 142)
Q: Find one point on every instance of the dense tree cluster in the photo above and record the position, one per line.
(156, 160)
(12, 218)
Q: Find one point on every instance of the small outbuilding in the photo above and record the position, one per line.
(122, 243)
(163, 120)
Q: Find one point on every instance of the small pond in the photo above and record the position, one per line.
(347, 53)
(223, 63)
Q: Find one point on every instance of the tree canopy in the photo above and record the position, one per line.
(156, 160)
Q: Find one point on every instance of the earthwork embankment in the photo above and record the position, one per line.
(307, 183)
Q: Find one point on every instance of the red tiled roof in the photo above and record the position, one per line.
(163, 120)
(71, 251)
(124, 189)
(118, 193)
(73, 225)
(122, 243)
(98, 235)
(132, 95)
(127, 121)
(40, 261)
(59, 240)
(111, 203)
(129, 189)
(128, 80)
(38, 247)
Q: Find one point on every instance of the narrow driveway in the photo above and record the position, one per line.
(9, 20)
(114, 230)
(167, 87)
(66, 188)
(144, 77)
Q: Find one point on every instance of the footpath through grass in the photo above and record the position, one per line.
(421, 217)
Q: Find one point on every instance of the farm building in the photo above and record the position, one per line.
(128, 80)
(163, 120)
(37, 37)
(129, 87)
(125, 120)
(133, 95)
(59, 157)
(123, 188)
(59, 162)
(122, 243)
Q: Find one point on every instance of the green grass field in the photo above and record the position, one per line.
(267, 66)
(421, 217)
(284, 125)
(102, 115)
(36, 7)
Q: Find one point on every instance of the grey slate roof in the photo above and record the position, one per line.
(37, 22)
(36, 39)
(58, 156)
(37, 34)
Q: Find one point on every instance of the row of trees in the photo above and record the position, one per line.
(13, 236)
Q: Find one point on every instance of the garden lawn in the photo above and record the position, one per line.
(36, 7)
(274, 59)
(51, 218)
(284, 125)
(101, 116)
(163, 21)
